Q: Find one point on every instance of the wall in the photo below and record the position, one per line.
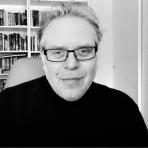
(145, 60)
(118, 59)
(103, 9)
(125, 46)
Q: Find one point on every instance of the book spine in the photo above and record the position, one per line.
(1, 17)
(2, 84)
(35, 17)
(9, 18)
(5, 18)
(1, 41)
(12, 19)
(13, 42)
(25, 17)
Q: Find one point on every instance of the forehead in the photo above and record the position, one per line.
(68, 31)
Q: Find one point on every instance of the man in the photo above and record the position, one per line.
(66, 108)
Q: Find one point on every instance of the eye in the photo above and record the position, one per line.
(85, 51)
(58, 53)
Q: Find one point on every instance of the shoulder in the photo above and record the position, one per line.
(113, 99)
(28, 83)
(119, 108)
(106, 92)
(24, 88)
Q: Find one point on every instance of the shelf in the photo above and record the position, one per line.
(16, 28)
(12, 55)
(13, 2)
(13, 52)
(44, 3)
(33, 28)
(38, 52)
(3, 74)
(53, 2)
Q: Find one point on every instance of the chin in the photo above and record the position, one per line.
(70, 92)
(70, 99)
(71, 95)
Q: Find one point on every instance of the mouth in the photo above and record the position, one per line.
(71, 78)
(72, 82)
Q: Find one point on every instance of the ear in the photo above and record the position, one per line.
(97, 61)
(42, 56)
(43, 59)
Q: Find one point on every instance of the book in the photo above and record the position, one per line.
(8, 60)
(24, 18)
(6, 42)
(1, 17)
(13, 19)
(14, 42)
(1, 41)
(35, 17)
(2, 84)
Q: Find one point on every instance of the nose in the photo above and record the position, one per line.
(71, 62)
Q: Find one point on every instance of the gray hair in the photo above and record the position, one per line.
(70, 9)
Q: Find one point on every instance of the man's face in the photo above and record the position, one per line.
(70, 79)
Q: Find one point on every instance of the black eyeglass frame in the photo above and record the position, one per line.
(68, 51)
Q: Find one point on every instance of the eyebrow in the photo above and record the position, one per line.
(65, 48)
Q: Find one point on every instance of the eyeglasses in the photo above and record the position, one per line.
(61, 54)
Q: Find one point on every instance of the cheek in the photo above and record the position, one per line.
(50, 69)
(91, 70)
(51, 72)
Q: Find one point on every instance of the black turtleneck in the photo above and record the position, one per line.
(32, 114)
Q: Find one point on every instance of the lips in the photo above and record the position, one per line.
(72, 82)
(66, 75)
(71, 78)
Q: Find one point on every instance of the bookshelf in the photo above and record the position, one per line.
(19, 23)
(13, 35)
